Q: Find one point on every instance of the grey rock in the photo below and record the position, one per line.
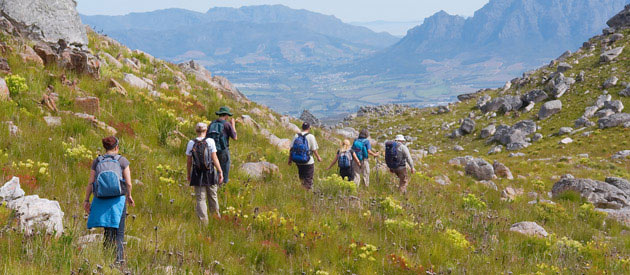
(616, 37)
(621, 183)
(258, 170)
(46, 20)
(584, 122)
(442, 180)
(503, 104)
(11, 190)
(566, 141)
(610, 55)
(458, 148)
(563, 67)
(137, 82)
(581, 76)
(468, 126)
(514, 138)
(510, 193)
(625, 92)
(537, 137)
(482, 101)
(4, 90)
(480, 169)
(610, 82)
(601, 100)
(604, 113)
(495, 149)
(309, 118)
(443, 109)
(549, 108)
(52, 121)
(559, 85)
(347, 132)
(621, 215)
(621, 154)
(490, 184)
(529, 107)
(517, 154)
(600, 194)
(535, 96)
(613, 120)
(35, 214)
(488, 131)
(432, 150)
(564, 131)
(621, 20)
(530, 229)
(590, 111)
(614, 105)
(460, 161)
(466, 97)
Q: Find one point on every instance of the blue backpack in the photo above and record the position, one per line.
(394, 158)
(109, 181)
(360, 149)
(345, 159)
(300, 152)
(216, 132)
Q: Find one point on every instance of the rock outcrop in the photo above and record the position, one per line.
(309, 118)
(258, 170)
(529, 228)
(599, 193)
(480, 169)
(46, 20)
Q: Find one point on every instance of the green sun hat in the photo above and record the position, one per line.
(223, 111)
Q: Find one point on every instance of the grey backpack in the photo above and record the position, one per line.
(108, 182)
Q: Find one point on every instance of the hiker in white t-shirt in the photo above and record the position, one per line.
(204, 172)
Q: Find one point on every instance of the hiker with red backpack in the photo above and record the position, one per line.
(110, 185)
(221, 131)
(346, 158)
(363, 150)
(397, 157)
(204, 172)
(303, 147)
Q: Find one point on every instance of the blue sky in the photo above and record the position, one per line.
(346, 10)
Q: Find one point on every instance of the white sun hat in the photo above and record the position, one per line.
(400, 138)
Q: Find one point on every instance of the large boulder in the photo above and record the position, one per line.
(461, 161)
(531, 229)
(599, 193)
(258, 170)
(515, 137)
(502, 171)
(613, 120)
(89, 104)
(480, 169)
(196, 69)
(549, 108)
(137, 82)
(347, 132)
(311, 119)
(503, 104)
(621, 20)
(38, 215)
(80, 61)
(46, 20)
(46, 53)
(610, 55)
(534, 96)
(468, 126)
(488, 131)
(11, 190)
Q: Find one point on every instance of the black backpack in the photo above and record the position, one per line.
(202, 156)
(216, 131)
(394, 157)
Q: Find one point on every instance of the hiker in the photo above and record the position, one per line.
(363, 150)
(397, 157)
(303, 147)
(204, 172)
(110, 183)
(221, 131)
(347, 159)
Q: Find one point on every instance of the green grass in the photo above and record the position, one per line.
(273, 225)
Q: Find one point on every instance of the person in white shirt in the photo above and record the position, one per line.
(306, 170)
(206, 181)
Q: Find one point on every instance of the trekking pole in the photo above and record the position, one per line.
(378, 167)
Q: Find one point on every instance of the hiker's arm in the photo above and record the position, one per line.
(127, 177)
(188, 166)
(88, 192)
(217, 165)
(372, 153)
(408, 158)
(355, 158)
(235, 135)
(334, 161)
(290, 160)
(317, 155)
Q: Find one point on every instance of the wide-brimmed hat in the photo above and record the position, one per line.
(223, 111)
(400, 138)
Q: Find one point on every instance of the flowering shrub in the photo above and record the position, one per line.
(568, 244)
(587, 212)
(336, 185)
(391, 206)
(233, 212)
(457, 239)
(166, 171)
(364, 251)
(40, 168)
(271, 220)
(16, 84)
(472, 202)
(77, 152)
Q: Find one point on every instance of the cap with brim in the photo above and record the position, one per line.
(223, 111)
(400, 138)
(201, 126)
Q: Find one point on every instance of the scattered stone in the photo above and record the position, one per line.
(155, 94)
(465, 97)
(559, 85)
(495, 150)
(462, 161)
(482, 101)
(11, 190)
(112, 61)
(52, 121)
(610, 82)
(432, 150)
(529, 107)
(490, 184)
(610, 55)
(46, 53)
(458, 148)
(116, 87)
(563, 67)
(502, 171)
(514, 138)
(549, 108)
(137, 82)
(613, 120)
(347, 132)
(614, 105)
(4, 90)
(81, 62)
(488, 131)
(566, 141)
(584, 122)
(601, 194)
(442, 109)
(581, 76)
(28, 55)
(518, 154)
(622, 184)
(621, 154)
(616, 37)
(531, 229)
(286, 123)
(442, 180)
(564, 131)
(590, 111)
(604, 113)
(503, 104)
(537, 137)
(602, 99)
(480, 169)
(468, 126)
(13, 129)
(258, 170)
(510, 193)
(92, 119)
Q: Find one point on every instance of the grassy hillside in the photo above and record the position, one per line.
(274, 226)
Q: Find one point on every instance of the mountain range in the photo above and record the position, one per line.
(293, 60)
